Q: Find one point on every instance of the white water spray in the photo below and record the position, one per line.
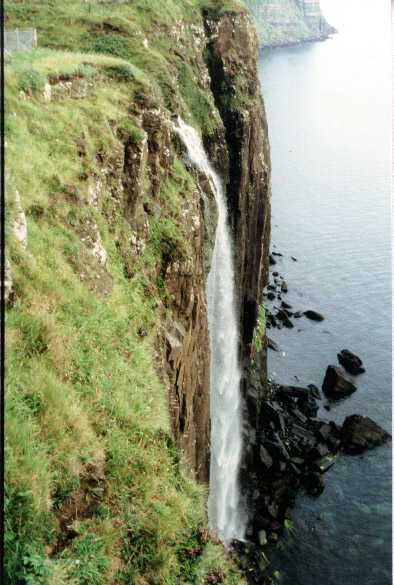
(225, 512)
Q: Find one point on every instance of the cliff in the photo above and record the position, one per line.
(284, 22)
(109, 234)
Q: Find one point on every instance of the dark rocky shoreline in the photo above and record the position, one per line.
(289, 448)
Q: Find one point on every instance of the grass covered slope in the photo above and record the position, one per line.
(96, 491)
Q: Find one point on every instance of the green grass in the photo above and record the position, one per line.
(144, 33)
(96, 491)
(259, 330)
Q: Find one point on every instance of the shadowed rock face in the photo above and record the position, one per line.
(232, 60)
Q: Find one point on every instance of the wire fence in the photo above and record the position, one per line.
(20, 39)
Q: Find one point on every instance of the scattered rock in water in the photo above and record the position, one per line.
(271, 296)
(270, 318)
(272, 260)
(277, 254)
(284, 286)
(275, 273)
(297, 314)
(336, 384)
(272, 345)
(285, 305)
(314, 391)
(351, 362)
(281, 315)
(296, 447)
(360, 433)
(293, 258)
(314, 315)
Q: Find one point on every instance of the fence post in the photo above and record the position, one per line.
(35, 38)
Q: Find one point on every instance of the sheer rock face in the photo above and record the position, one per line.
(240, 151)
(233, 53)
(185, 346)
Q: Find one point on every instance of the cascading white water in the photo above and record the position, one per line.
(226, 515)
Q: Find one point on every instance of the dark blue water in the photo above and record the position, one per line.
(329, 116)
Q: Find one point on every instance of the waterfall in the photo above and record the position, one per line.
(226, 516)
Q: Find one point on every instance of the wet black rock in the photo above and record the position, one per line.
(272, 260)
(314, 315)
(313, 483)
(324, 431)
(351, 362)
(336, 384)
(275, 273)
(277, 254)
(294, 258)
(272, 345)
(285, 305)
(360, 433)
(298, 314)
(314, 391)
(265, 457)
(282, 316)
(295, 447)
(284, 286)
(271, 296)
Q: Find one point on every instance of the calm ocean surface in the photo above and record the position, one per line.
(329, 114)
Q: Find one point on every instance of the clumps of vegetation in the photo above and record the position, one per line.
(259, 330)
(29, 79)
(109, 44)
(203, 113)
(35, 68)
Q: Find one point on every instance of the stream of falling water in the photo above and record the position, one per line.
(226, 514)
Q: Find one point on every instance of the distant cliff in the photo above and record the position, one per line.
(283, 22)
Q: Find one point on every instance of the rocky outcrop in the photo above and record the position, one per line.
(336, 384)
(360, 433)
(284, 22)
(351, 362)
